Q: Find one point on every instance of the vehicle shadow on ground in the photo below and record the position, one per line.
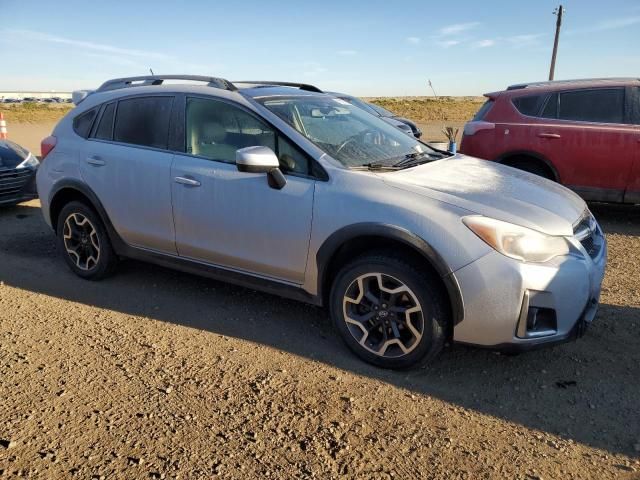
(586, 391)
(619, 219)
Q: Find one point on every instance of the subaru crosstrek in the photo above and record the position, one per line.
(299, 193)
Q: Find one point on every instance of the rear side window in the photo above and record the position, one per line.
(143, 121)
(105, 125)
(529, 105)
(604, 105)
(82, 123)
(483, 110)
(551, 107)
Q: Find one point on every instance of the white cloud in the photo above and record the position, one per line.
(458, 28)
(448, 43)
(347, 53)
(524, 40)
(610, 24)
(88, 46)
(312, 69)
(413, 40)
(483, 43)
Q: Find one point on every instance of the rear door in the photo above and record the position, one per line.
(587, 137)
(632, 195)
(127, 164)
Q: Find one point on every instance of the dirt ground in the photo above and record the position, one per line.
(157, 374)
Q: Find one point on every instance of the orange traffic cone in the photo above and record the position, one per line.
(3, 127)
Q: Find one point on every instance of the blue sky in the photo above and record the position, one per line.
(366, 48)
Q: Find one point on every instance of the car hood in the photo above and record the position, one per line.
(496, 191)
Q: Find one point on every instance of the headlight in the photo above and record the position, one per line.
(517, 242)
(30, 161)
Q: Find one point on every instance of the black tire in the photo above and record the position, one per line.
(422, 286)
(105, 261)
(532, 166)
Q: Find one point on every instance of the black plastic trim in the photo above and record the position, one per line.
(528, 153)
(392, 232)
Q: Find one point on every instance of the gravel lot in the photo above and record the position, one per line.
(158, 374)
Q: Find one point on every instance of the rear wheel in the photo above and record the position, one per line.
(389, 313)
(84, 242)
(531, 165)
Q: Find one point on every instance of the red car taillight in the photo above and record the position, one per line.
(46, 146)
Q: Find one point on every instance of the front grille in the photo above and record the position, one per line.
(13, 181)
(589, 235)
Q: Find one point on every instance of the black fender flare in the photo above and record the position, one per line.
(529, 153)
(331, 245)
(71, 184)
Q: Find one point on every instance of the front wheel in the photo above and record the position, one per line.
(388, 312)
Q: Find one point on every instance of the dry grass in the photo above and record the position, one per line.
(34, 112)
(428, 109)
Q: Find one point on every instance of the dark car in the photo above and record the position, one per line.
(17, 173)
(403, 124)
(384, 113)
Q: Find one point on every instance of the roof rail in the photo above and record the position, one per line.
(126, 82)
(301, 86)
(519, 86)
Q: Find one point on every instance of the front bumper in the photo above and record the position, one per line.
(17, 185)
(499, 292)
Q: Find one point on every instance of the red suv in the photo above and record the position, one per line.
(584, 134)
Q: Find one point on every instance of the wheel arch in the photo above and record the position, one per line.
(505, 157)
(360, 238)
(73, 190)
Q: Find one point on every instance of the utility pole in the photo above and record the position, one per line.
(558, 13)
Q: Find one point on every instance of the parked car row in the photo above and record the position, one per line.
(284, 188)
(35, 100)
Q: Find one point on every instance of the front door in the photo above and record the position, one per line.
(235, 219)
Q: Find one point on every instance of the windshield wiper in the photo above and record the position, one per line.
(411, 159)
(376, 166)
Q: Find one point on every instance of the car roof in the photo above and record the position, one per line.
(577, 83)
(119, 87)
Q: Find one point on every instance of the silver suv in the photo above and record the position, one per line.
(282, 188)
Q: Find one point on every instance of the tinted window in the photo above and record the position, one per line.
(551, 107)
(483, 110)
(82, 123)
(143, 121)
(216, 130)
(529, 105)
(635, 106)
(105, 126)
(601, 105)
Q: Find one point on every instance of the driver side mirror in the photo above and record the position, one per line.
(261, 160)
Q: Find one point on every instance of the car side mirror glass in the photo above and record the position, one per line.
(261, 159)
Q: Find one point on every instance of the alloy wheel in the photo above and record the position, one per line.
(81, 241)
(383, 315)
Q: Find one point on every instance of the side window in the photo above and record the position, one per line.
(551, 107)
(529, 105)
(104, 131)
(143, 121)
(635, 106)
(82, 123)
(216, 130)
(604, 105)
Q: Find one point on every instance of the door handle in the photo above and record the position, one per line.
(190, 182)
(95, 161)
(548, 135)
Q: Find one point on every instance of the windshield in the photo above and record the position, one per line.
(362, 104)
(347, 133)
